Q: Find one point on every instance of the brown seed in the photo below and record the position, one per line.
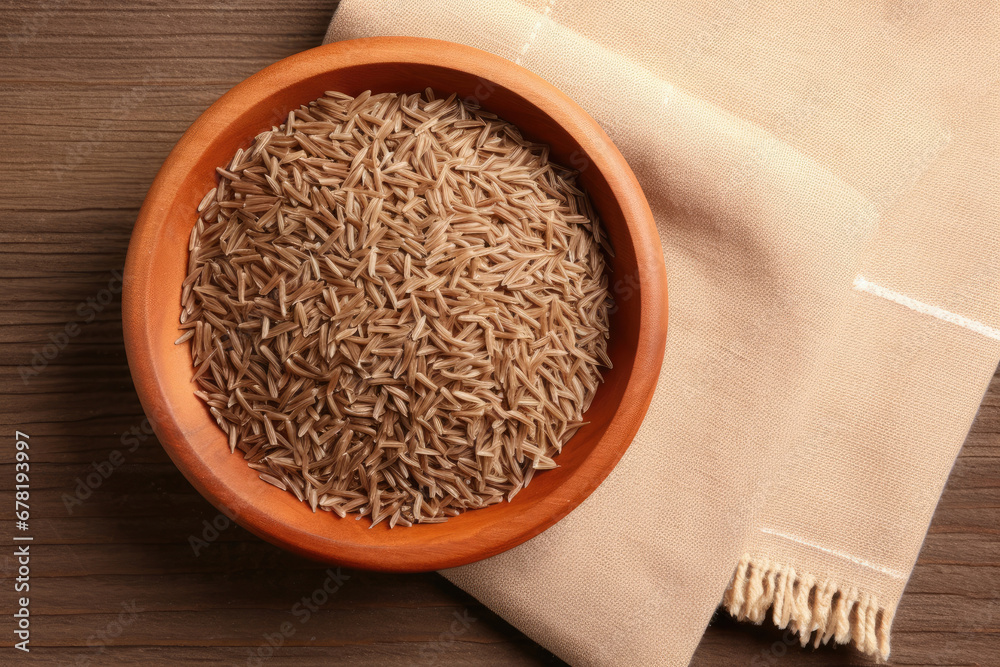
(397, 306)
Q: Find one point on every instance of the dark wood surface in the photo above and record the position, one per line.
(92, 97)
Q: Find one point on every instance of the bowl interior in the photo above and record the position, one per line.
(157, 266)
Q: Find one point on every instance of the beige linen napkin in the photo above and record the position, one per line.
(825, 185)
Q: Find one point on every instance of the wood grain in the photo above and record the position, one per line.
(93, 95)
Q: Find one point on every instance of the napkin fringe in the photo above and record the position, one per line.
(806, 605)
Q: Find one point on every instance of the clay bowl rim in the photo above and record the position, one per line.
(147, 353)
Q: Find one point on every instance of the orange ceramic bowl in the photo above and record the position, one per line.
(157, 261)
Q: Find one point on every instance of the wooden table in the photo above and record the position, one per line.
(93, 95)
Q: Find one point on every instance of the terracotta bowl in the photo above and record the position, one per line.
(157, 259)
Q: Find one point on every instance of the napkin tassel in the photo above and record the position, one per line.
(814, 609)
